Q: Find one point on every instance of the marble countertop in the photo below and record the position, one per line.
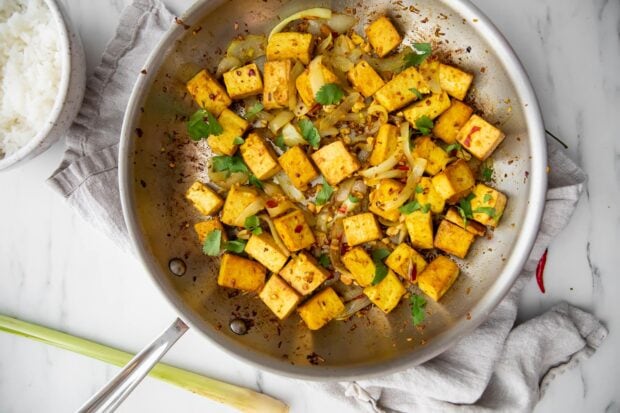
(58, 271)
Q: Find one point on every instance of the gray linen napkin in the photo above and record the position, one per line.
(497, 367)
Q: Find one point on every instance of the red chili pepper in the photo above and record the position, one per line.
(473, 130)
(298, 228)
(402, 167)
(343, 209)
(540, 271)
(414, 273)
(344, 247)
(272, 203)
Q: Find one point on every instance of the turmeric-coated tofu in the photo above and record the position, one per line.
(238, 199)
(364, 79)
(303, 273)
(243, 82)
(387, 294)
(298, 167)
(321, 309)
(335, 162)
(264, 249)
(386, 191)
(383, 36)
(470, 225)
(280, 297)
(241, 273)
(204, 199)
(233, 126)
(204, 228)
(386, 143)
(454, 81)
(397, 92)
(431, 106)
(359, 263)
(479, 137)
(449, 123)
(302, 83)
(290, 45)
(277, 90)
(436, 158)
(453, 239)
(294, 231)
(208, 93)
(406, 262)
(438, 277)
(361, 228)
(454, 182)
(426, 194)
(420, 228)
(259, 156)
(488, 205)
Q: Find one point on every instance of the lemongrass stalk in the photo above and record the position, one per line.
(243, 399)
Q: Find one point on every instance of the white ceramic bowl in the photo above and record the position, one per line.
(69, 97)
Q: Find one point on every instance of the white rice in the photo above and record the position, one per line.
(30, 70)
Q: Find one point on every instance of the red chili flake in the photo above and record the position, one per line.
(251, 72)
(413, 274)
(402, 167)
(271, 203)
(540, 271)
(468, 138)
(344, 247)
(299, 228)
(342, 209)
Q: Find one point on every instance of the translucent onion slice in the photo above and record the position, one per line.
(391, 174)
(341, 23)
(393, 64)
(315, 74)
(412, 180)
(406, 143)
(353, 306)
(292, 136)
(288, 187)
(226, 64)
(341, 63)
(279, 120)
(429, 69)
(325, 44)
(339, 113)
(297, 69)
(225, 180)
(344, 190)
(249, 48)
(275, 235)
(317, 12)
(384, 166)
(250, 210)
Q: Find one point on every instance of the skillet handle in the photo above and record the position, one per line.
(112, 394)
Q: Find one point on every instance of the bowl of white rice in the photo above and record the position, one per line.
(42, 78)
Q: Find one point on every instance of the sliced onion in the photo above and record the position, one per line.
(250, 210)
(342, 46)
(344, 190)
(391, 174)
(378, 111)
(301, 109)
(292, 136)
(272, 189)
(341, 23)
(355, 55)
(384, 166)
(249, 48)
(288, 187)
(353, 306)
(393, 64)
(325, 44)
(275, 235)
(333, 131)
(341, 63)
(412, 180)
(406, 143)
(279, 120)
(359, 117)
(226, 64)
(339, 113)
(315, 74)
(317, 12)
(350, 292)
(429, 69)
(335, 236)
(297, 70)
(225, 180)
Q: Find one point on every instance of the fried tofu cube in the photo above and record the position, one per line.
(294, 231)
(298, 167)
(259, 156)
(361, 228)
(238, 199)
(264, 249)
(454, 182)
(233, 126)
(277, 84)
(474, 227)
(280, 297)
(321, 309)
(364, 79)
(420, 228)
(454, 81)
(431, 106)
(302, 83)
(397, 92)
(386, 191)
(208, 93)
(438, 277)
(406, 262)
(426, 194)
(436, 158)
(359, 263)
(479, 137)
(243, 82)
(488, 205)
(453, 239)
(335, 162)
(204, 199)
(385, 143)
(290, 45)
(383, 36)
(241, 273)
(387, 294)
(203, 228)
(303, 273)
(448, 125)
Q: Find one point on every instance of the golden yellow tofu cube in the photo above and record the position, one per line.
(303, 273)
(243, 82)
(386, 143)
(488, 205)
(238, 199)
(438, 277)
(204, 199)
(233, 126)
(259, 156)
(361, 228)
(335, 162)
(298, 167)
(426, 194)
(241, 273)
(294, 231)
(386, 191)
(383, 36)
(203, 228)
(208, 93)
(431, 106)
(387, 294)
(321, 309)
(290, 45)
(454, 81)
(448, 125)
(302, 83)
(436, 158)
(420, 228)
(469, 225)
(397, 92)
(454, 182)
(453, 239)
(364, 78)
(277, 203)
(264, 249)
(359, 263)
(480, 137)
(279, 297)
(406, 262)
(277, 81)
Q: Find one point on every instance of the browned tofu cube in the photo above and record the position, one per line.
(474, 227)
(294, 231)
(264, 249)
(479, 137)
(359, 263)
(364, 78)
(241, 273)
(204, 199)
(387, 191)
(453, 239)
(361, 228)
(397, 93)
(208, 93)
(406, 262)
(436, 158)
(420, 228)
(431, 106)
(302, 83)
(298, 167)
(243, 82)
(454, 81)
(277, 84)
(290, 45)
(203, 228)
(303, 273)
(488, 205)
(454, 182)
(321, 309)
(426, 194)
(383, 36)
(448, 125)
(438, 277)
(387, 294)
(386, 143)
(233, 126)
(238, 199)
(259, 156)
(335, 162)
(281, 298)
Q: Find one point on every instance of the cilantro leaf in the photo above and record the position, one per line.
(329, 94)
(487, 174)
(324, 194)
(324, 260)
(410, 207)
(464, 208)
(254, 110)
(252, 223)
(453, 147)
(230, 164)
(280, 142)
(424, 124)
(202, 124)
(211, 246)
(417, 308)
(353, 199)
(420, 52)
(419, 189)
(487, 198)
(253, 180)
(238, 140)
(310, 133)
(425, 208)
(485, 210)
(235, 245)
(416, 92)
(381, 271)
